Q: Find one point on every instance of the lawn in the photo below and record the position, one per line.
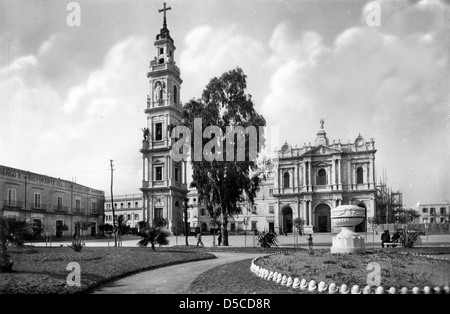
(397, 270)
(43, 270)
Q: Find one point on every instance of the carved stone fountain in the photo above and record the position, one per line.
(348, 241)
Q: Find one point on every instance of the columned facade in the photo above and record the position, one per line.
(324, 176)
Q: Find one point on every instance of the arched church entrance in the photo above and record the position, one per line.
(287, 219)
(322, 218)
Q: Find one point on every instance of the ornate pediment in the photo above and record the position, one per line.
(320, 164)
(158, 161)
(322, 150)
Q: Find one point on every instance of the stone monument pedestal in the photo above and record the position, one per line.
(347, 241)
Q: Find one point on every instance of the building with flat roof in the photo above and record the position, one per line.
(51, 203)
(434, 213)
(130, 206)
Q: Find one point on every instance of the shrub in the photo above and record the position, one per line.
(267, 239)
(77, 245)
(408, 238)
(13, 231)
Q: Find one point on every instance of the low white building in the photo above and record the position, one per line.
(129, 206)
(434, 213)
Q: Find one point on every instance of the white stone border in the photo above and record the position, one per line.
(332, 288)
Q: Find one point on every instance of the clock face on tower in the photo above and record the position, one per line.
(359, 142)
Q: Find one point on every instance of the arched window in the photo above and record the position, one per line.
(322, 177)
(359, 175)
(175, 95)
(286, 180)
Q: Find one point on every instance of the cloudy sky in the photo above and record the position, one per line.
(73, 97)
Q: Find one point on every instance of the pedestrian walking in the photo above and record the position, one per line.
(310, 243)
(199, 238)
(219, 237)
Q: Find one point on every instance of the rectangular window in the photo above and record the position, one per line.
(37, 200)
(195, 199)
(129, 216)
(254, 209)
(177, 173)
(136, 216)
(443, 211)
(270, 192)
(254, 225)
(77, 205)
(129, 205)
(233, 226)
(158, 213)
(161, 51)
(158, 173)
(271, 211)
(203, 212)
(121, 205)
(135, 204)
(431, 220)
(11, 197)
(94, 207)
(158, 132)
(60, 201)
(432, 210)
(425, 210)
(442, 220)
(115, 205)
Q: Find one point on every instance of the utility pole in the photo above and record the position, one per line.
(186, 224)
(112, 204)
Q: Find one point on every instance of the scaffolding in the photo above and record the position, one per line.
(388, 203)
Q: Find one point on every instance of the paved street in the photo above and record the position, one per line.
(320, 240)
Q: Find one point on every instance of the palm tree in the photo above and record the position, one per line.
(13, 230)
(83, 226)
(121, 227)
(152, 236)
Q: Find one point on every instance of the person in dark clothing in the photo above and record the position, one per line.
(395, 236)
(219, 237)
(310, 243)
(385, 237)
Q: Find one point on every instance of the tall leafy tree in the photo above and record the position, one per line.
(225, 181)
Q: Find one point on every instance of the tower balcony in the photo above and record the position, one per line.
(155, 66)
(167, 184)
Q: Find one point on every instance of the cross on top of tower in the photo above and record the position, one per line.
(164, 10)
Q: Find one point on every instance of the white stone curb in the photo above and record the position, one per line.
(332, 288)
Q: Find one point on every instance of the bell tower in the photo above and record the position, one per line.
(164, 184)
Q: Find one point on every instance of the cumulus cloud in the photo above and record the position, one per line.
(389, 82)
(211, 51)
(92, 125)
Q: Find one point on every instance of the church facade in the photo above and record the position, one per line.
(311, 180)
(164, 184)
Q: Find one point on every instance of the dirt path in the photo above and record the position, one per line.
(169, 280)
